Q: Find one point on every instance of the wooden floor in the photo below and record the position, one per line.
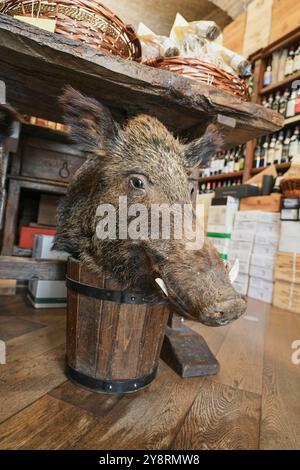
(254, 402)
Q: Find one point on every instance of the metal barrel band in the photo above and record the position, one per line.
(119, 296)
(109, 386)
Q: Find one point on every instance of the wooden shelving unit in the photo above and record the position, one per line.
(221, 176)
(279, 167)
(278, 85)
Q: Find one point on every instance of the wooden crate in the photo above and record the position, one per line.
(287, 296)
(270, 203)
(287, 267)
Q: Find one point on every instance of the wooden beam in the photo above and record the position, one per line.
(20, 268)
(36, 65)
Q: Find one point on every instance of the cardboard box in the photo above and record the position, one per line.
(243, 235)
(260, 290)
(240, 245)
(258, 226)
(287, 267)
(290, 229)
(264, 250)
(287, 296)
(42, 248)
(222, 211)
(27, 235)
(266, 262)
(263, 273)
(241, 283)
(219, 228)
(47, 209)
(47, 294)
(290, 209)
(244, 260)
(289, 244)
(271, 240)
(257, 216)
(270, 203)
(221, 244)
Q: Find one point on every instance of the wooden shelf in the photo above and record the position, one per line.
(21, 268)
(36, 65)
(292, 120)
(280, 166)
(275, 86)
(222, 176)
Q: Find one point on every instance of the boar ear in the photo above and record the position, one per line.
(7, 116)
(91, 123)
(199, 151)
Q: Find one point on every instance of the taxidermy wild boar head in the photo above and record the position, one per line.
(144, 162)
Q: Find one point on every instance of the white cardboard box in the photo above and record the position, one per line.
(260, 289)
(257, 226)
(42, 248)
(266, 217)
(221, 244)
(269, 240)
(243, 235)
(219, 228)
(244, 260)
(264, 250)
(266, 262)
(47, 294)
(290, 229)
(241, 283)
(240, 245)
(289, 244)
(223, 214)
(263, 273)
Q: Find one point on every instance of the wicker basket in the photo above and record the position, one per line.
(203, 72)
(290, 187)
(86, 21)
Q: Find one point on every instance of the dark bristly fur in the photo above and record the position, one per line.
(197, 281)
(7, 116)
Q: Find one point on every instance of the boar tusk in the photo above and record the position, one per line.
(233, 273)
(162, 285)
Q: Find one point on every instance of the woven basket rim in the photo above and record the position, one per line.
(229, 80)
(125, 33)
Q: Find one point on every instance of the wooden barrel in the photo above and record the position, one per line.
(114, 337)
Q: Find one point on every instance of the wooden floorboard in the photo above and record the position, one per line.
(252, 403)
(222, 418)
(280, 426)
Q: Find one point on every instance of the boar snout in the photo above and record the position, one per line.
(224, 311)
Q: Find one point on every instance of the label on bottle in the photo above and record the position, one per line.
(290, 109)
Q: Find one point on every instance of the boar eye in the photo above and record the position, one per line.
(137, 183)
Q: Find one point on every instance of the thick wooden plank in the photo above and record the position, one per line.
(280, 425)
(46, 424)
(20, 268)
(241, 354)
(148, 419)
(27, 54)
(220, 418)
